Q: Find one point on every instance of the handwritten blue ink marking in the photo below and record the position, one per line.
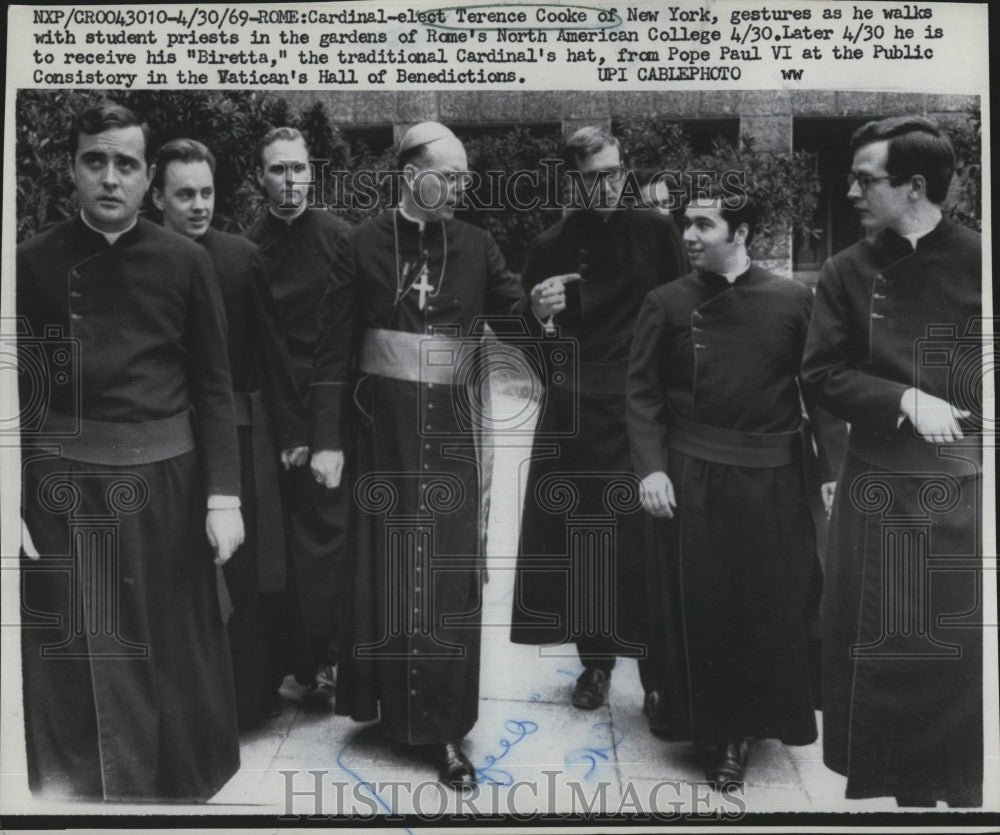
(593, 754)
(371, 789)
(518, 729)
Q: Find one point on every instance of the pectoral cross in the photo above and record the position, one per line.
(424, 286)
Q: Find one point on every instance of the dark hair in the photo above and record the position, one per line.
(278, 135)
(105, 116)
(180, 150)
(736, 207)
(916, 146)
(585, 142)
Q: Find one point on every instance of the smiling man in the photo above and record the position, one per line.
(127, 690)
(267, 636)
(715, 426)
(902, 646)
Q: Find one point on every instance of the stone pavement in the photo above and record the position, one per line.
(533, 750)
(526, 728)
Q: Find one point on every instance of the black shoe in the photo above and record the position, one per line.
(454, 768)
(652, 711)
(727, 764)
(591, 689)
(324, 686)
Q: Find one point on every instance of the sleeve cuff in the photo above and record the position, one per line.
(217, 502)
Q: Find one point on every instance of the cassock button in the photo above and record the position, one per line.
(413, 672)
(427, 466)
(74, 273)
(698, 345)
(427, 446)
(413, 692)
(430, 405)
(75, 316)
(877, 316)
(74, 294)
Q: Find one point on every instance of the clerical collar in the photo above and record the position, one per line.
(732, 276)
(913, 237)
(110, 237)
(288, 219)
(421, 223)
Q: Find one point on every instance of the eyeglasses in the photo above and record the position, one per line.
(864, 181)
(590, 177)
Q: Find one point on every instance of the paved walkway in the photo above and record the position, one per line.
(533, 750)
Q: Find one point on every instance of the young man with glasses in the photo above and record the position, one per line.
(591, 270)
(894, 349)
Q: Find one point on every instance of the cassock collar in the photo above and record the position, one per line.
(281, 223)
(409, 226)
(109, 237)
(715, 279)
(204, 237)
(896, 244)
(594, 219)
(99, 238)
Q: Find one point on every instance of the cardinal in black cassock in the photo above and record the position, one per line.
(400, 280)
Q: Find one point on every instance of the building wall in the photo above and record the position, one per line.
(767, 115)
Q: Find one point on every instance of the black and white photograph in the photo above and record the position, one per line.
(528, 414)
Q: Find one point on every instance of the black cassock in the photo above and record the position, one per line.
(299, 258)
(729, 574)
(128, 693)
(267, 633)
(580, 566)
(902, 605)
(412, 617)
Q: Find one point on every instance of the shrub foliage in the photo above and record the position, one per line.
(232, 122)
